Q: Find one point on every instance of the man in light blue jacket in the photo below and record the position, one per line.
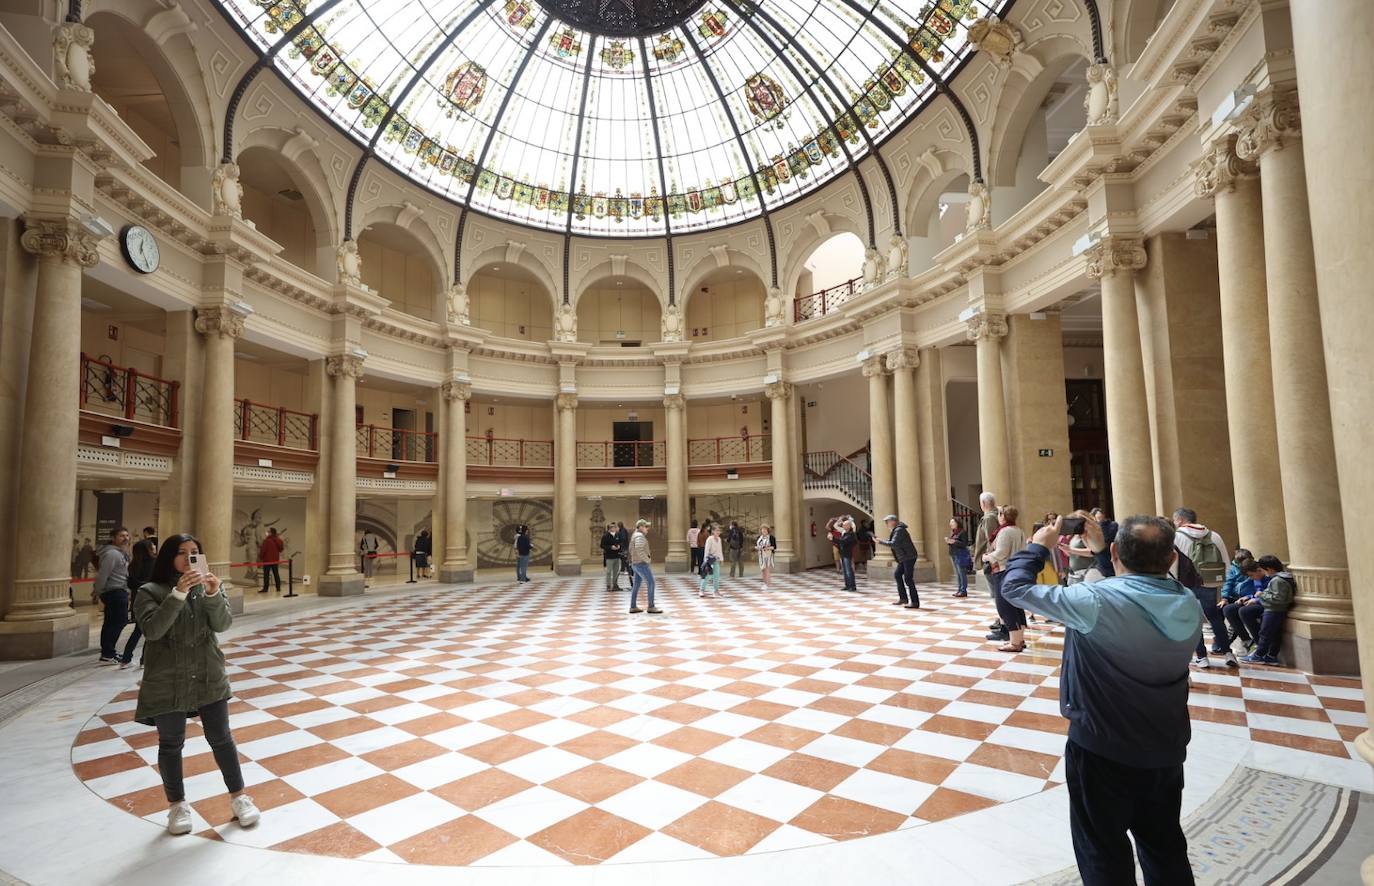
(1124, 690)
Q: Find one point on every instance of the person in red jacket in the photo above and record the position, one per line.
(269, 553)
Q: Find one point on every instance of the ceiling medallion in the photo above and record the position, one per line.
(622, 18)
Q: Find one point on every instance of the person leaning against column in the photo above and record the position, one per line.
(180, 611)
(1123, 687)
(641, 564)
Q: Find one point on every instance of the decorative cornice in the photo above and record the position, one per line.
(1114, 255)
(61, 238)
(987, 327)
(344, 366)
(1272, 124)
(1219, 169)
(220, 320)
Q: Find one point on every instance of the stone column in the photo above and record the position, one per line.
(932, 427)
(988, 330)
(1245, 344)
(455, 567)
(1323, 621)
(38, 622)
(1332, 49)
(675, 408)
(880, 450)
(566, 559)
(343, 579)
(907, 454)
(784, 517)
(221, 326)
(1114, 261)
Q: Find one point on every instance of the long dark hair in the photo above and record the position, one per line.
(164, 567)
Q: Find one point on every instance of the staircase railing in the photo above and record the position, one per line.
(828, 470)
(967, 517)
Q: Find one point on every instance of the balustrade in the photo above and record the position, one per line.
(127, 393)
(509, 452)
(818, 304)
(397, 444)
(729, 450)
(275, 425)
(621, 453)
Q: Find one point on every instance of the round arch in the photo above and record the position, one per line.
(285, 204)
(938, 170)
(500, 255)
(132, 72)
(630, 271)
(709, 264)
(510, 299)
(1134, 28)
(818, 229)
(397, 265)
(726, 301)
(413, 223)
(618, 308)
(1033, 73)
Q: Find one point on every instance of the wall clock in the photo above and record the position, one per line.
(140, 248)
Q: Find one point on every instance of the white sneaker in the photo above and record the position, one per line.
(1231, 659)
(245, 811)
(179, 819)
(1202, 661)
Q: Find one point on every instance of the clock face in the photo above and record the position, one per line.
(140, 248)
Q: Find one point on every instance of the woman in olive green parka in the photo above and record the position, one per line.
(180, 610)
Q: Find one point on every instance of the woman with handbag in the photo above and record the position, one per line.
(959, 556)
(180, 610)
(712, 555)
(765, 545)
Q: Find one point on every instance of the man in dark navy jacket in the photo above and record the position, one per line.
(1124, 690)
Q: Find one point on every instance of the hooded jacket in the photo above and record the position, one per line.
(1191, 532)
(1128, 641)
(1277, 596)
(184, 669)
(903, 548)
(112, 569)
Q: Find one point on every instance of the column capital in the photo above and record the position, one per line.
(1273, 123)
(1115, 255)
(344, 366)
(903, 358)
(63, 238)
(987, 327)
(1219, 169)
(566, 402)
(220, 320)
(875, 365)
(674, 401)
(455, 390)
(778, 390)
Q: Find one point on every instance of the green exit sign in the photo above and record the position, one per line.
(1047, 453)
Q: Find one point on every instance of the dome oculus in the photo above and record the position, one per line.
(670, 116)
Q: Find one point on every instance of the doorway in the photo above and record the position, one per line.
(632, 444)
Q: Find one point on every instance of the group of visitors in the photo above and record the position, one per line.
(121, 569)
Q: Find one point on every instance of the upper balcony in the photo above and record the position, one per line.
(120, 402)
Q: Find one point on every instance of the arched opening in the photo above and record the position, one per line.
(1139, 24)
(398, 268)
(276, 204)
(834, 262)
(510, 301)
(942, 216)
(618, 311)
(726, 303)
(1039, 121)
(131, 75)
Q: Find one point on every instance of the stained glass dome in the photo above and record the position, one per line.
(616, 117)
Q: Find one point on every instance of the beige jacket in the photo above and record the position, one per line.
(639, 548)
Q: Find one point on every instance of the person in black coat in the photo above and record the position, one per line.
(904, 552)
(848, 539)
(610, 556)
(623, 539)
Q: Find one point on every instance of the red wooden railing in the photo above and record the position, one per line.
(128, 393)
(275, 425)
(621, 453)
(510, 452)
(397, 444)
(818, 304)
(729, 450)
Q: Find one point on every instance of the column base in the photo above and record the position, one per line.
(671, 566)
(456, 575)
(234, 595)
(1321, 648)
(341, 585)
(27, 640)
(567, 569)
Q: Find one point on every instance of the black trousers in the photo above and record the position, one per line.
(171, 736)
(696, 558)
(905, 574)
(1106, 800)
(271, 571)
(1013, 617)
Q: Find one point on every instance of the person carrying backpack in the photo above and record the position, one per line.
(1201, 567)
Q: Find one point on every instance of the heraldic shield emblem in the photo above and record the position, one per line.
(465, 85)
(765, 97)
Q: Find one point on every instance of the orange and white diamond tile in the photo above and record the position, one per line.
(545, 726)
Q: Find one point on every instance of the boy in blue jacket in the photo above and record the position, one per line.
(1124, 690)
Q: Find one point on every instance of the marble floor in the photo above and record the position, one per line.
(797, 732)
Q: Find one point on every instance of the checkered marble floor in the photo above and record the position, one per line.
(545, 725)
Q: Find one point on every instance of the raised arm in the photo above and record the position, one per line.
(1074, 605)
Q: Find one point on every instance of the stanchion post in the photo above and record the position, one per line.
(411, 581)
(291, 576)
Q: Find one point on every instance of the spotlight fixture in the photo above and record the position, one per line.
(122, 430)
(391, 469)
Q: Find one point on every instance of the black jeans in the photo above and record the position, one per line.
(1013, 617)
(1233, 611)
(1207, 598)
(271, 571)
(1106, 800)
(116, 604)
(905, 574)
(171, 736)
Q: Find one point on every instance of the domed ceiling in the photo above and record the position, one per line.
(616, 117)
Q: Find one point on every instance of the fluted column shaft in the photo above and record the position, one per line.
(1245, 345)
(456, 567)
(987, 331)
(1114, 261)
(48, 440)
(342, 577)
(907, 449)
(675, 408)
(1302, 408)
(880, 461)
(566, 559)
(221, 326)
(784, 518)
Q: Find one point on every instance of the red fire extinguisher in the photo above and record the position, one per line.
(813, 528)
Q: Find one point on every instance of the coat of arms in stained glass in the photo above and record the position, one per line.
(764, 96)
(466, 85)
